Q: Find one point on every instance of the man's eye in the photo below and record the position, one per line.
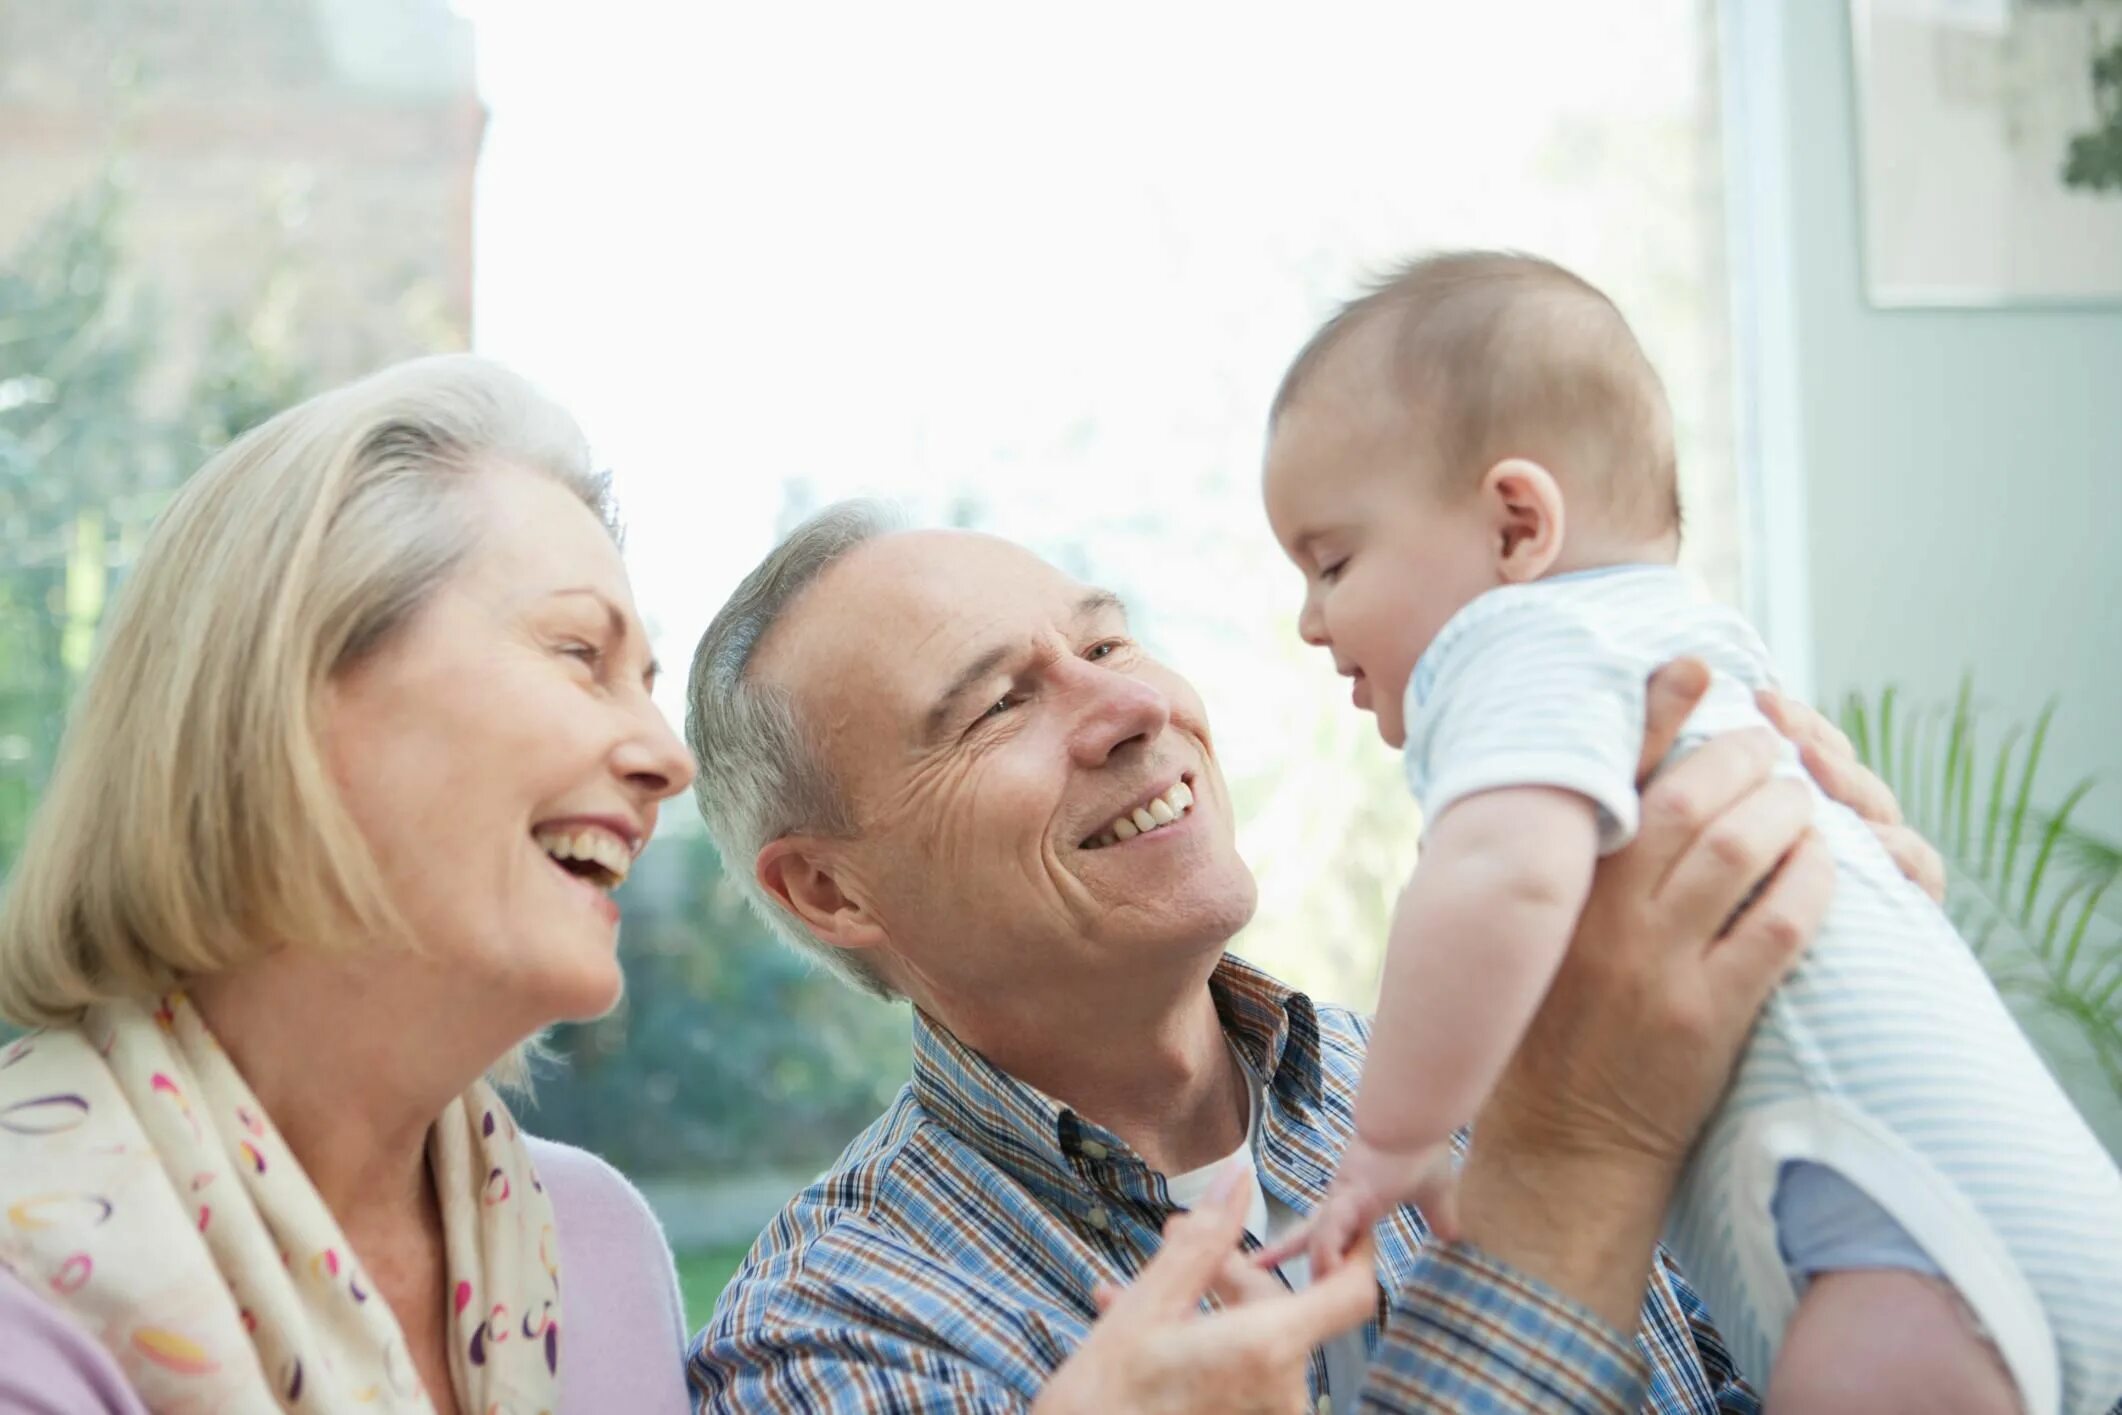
(586, 653)
(998, 707)
(1104, 650)
(1331, 573)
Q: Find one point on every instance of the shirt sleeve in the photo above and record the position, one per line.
(52, 1367)
(1523, 689)
(1467, 1334)
(1734, 1396)
(786, 1340)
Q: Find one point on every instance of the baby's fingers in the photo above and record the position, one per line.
(1336, 1230)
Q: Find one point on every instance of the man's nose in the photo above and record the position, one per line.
(1115, 710)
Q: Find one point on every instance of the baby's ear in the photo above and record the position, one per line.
(1524, 504)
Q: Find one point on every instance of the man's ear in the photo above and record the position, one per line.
(1524, 504)
(806, 876)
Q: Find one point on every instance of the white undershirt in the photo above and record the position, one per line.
(1267, 1219)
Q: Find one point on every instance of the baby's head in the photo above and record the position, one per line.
(1478, 419)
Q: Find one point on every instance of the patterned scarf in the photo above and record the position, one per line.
(144, 1192)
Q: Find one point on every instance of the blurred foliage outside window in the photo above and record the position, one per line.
(729, 1054)
(84, 467)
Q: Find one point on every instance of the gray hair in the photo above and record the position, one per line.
(762, 775)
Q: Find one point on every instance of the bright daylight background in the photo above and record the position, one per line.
(1038, 270)
(1043, 279)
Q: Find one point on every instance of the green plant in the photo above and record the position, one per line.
(2032, 892)
(2094, 158)
(87, 460)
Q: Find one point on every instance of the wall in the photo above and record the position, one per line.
(1963, 467)
(1932, 490)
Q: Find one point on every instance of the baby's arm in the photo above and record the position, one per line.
(1476, 939)
(1477, 936)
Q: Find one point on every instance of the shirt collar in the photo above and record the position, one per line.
(1056, 1151)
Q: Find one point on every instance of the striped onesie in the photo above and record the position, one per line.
(1888, 1112)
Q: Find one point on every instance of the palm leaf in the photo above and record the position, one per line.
(2032, 891)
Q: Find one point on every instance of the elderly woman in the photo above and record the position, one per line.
(334, 832)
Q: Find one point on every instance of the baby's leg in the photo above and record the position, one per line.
(1877, 1328)
(1876, 1341)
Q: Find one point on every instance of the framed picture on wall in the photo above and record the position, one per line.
(1990, 149)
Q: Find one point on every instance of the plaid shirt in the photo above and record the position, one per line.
(946, 1261)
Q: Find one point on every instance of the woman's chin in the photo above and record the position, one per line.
(595, 996)
(582, 991)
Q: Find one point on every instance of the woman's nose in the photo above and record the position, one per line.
(652, 757)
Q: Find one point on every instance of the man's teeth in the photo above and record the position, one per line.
(1155, 816)
(597, 847)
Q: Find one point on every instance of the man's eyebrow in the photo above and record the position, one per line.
(969, 678)
(1091, 606)
(1099, 602)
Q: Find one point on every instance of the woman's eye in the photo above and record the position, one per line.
(1331, 573)
(1104, 650)
(998, 707)
(586, 653)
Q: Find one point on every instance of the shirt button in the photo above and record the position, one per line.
(1092, 1150)
(1099, 1219)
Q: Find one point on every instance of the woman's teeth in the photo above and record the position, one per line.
(1159, 813)
(595, 855)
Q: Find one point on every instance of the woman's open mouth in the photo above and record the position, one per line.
(589, 853)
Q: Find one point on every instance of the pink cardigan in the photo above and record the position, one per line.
(623, 1327)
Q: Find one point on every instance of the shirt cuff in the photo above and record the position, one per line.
(1466, 1333)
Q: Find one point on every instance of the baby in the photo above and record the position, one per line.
(1895, 1207)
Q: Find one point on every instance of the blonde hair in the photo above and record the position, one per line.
(1495, 354)
(191, 821)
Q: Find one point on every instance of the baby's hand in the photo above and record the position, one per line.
(1367, 1187)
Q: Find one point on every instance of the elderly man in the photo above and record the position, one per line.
(959, 780)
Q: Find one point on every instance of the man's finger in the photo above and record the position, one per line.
(1239, 1282)
(1195, 1244)
(1672, 694)
(1681, 803)
(1341, 1301)
(1804, 724)
(1767, 939)
(1915, 857)
(1735, 852)
(1853, 784)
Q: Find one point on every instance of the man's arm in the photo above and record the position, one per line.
(1578, 1151)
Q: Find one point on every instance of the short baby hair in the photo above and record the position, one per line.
(1495, 354)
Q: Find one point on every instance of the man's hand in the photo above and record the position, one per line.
(1155, 1352)
(1832, 760)
(1576, 1154)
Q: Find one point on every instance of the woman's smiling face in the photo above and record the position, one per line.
(502, 758)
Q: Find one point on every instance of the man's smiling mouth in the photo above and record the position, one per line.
(1152, 815)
